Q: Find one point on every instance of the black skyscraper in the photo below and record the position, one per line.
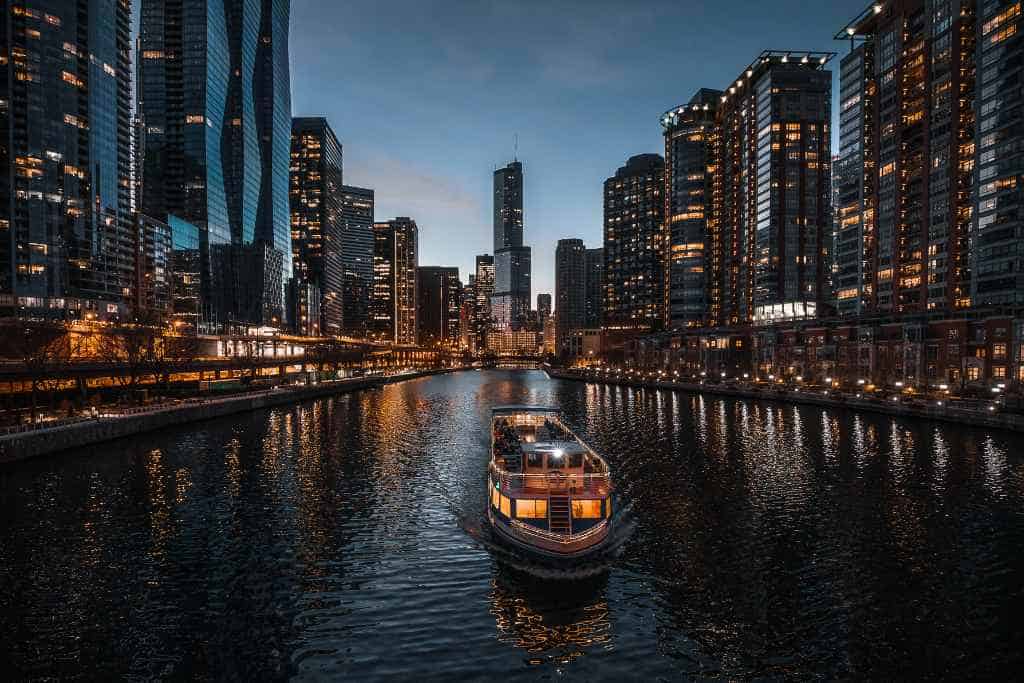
(357, 259)
(510, 304)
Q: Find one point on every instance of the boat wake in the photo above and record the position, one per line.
(564, 570)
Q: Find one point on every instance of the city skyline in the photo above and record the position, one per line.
(442, 175)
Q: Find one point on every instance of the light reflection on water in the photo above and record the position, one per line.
(324, 540)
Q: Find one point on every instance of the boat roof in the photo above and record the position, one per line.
(567, 447)
(499, 410)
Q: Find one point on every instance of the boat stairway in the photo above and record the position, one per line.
(560, 520)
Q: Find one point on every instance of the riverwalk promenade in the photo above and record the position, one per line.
(51, 437)
(974, 414)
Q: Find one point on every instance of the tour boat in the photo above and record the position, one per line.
(549, 493)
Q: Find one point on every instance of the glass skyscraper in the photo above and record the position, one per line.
(214, 105)
(510, 303)
(66, 230)
(357, 258)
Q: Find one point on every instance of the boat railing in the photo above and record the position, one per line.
(527, 530)
(592, 482)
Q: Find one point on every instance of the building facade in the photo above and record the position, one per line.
(214, 97)
(153, 276)
(483, 287)
(357, 259)
(67, 234)
(691, 149)
(439, 305)
(634, 245)
(317, 220)
(543, 306)
(510, 303)
(593, 286)
(774, 209)
(911, 160)
(570, 295)
(395, 266)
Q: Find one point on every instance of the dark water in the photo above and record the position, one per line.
(324, 541)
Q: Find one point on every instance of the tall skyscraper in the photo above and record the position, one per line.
(439, 300)
(357, 259)
(634, 245)
(67, 246)
(570, 292)
(543, 306)
(924, 174)
(593, 283)
(317, 216)
(214, 97)
(483, 284)
(691, 146)
(395, 265)
(772, 190)
(510, 304)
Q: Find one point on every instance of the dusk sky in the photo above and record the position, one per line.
(427, 96)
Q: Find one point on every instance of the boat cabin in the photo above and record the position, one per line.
(544, 479)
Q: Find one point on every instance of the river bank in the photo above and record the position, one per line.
(129, 422)
(947, 412)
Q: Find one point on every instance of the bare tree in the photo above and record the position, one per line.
(43, 348)
(129, 349)
(172, 353)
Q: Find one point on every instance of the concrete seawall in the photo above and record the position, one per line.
(945, 413)
(45, 441)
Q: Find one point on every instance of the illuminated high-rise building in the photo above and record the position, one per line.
(510, 303)
(634, 246)
(772, 190)
(691, 146)
(921, 136)
(214, 97)
(317, 216)
(483, 286)
(67, 235)
(395, 267)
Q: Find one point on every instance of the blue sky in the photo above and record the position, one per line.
(426, 97)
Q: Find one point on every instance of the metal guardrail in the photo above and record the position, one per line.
(47, 424)
(599, 482)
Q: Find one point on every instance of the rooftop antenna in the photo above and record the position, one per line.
(515, 147)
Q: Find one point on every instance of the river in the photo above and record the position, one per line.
(326, 540)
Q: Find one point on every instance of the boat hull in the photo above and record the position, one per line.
(555, 552)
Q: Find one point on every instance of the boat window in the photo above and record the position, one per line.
(586, 509)
(576, 460)
(556, 463)
(535, 459)
(495, 496)
(506, 506)
(531, 509)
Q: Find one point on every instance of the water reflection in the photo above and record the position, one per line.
(323, 540)
(553, 622)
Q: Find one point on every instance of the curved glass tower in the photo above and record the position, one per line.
(215, 108)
